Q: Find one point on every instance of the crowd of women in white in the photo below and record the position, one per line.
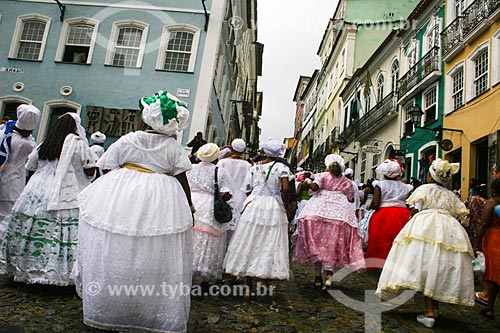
(150, 219)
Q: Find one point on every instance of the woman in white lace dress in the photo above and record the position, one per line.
(135, 228)
(432, 254)
(41, 239)
(209, 236)
(259, 246)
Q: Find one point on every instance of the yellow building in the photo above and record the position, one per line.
(471, 51)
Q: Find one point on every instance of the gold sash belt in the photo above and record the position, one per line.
(137, 167)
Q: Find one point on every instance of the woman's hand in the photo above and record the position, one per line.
(226, 196)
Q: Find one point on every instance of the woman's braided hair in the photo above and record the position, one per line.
(51, 148)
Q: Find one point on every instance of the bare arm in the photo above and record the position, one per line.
(300, 188)
(377, 195)
(285, 193)
(182, 178)
(486, 217)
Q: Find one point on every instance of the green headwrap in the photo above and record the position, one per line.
(168, 105)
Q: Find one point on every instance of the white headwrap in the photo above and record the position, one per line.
(223, 153)
(208, 152)
(98, 137)
(348, 172)
(273, 148)
(164, 112)
(442, 170)
(27, 117)
(238, 145)
(391, 168)
(329, 159)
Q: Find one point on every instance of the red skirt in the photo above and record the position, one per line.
(384, 226)
(491, 251)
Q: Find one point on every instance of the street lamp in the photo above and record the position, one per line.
(416, 117)
(416, 114)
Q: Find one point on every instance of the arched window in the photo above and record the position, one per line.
(30, 36)
(127, 44)
(178, 48)
(380, 87)
(394, 74)
(77, 40)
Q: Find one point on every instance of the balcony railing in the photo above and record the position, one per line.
(425, 66)
(462, 27)
(452, 35)
(347, 134)
(377, 115)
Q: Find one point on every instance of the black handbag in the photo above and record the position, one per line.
(222, 210)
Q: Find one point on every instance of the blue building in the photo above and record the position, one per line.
(97, 58)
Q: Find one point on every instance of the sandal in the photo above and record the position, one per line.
(318, 281)
(479, 299)
(487, 313)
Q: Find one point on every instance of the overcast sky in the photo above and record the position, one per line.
(291, 32)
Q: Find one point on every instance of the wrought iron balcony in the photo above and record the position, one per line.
(463, 27)
(452, 36)
(429, 63)
(383, 111)
(348, 133)
(377, 116)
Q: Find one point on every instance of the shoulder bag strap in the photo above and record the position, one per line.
(269, 171)
(216, 184)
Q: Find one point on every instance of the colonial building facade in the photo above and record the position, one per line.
(471, 53)
(97, 58)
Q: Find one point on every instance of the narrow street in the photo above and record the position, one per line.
(296, 306)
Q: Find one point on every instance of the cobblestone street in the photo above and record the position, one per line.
(296, 306)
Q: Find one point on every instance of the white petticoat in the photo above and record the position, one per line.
(156, 270)
(259, 245)
(440, 264)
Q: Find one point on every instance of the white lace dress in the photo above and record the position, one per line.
(209, 236)
(259, 246)
(135, 232)
(238, 169)
(13, 175)
(439, 248)
(40, 244)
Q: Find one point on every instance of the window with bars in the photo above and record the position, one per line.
(459, 7)
(408, 124)
(30, 35)
(178, 48)
(179, 51)
(380, 88)
(127, 47)
(430, 106)
(458, 89)
(481, 73)
(375, 161)
(78, 44)
(31, 39)
(363, 167)
(394, 74)
(127, 44)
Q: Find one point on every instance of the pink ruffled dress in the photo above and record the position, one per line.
(328, 227)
